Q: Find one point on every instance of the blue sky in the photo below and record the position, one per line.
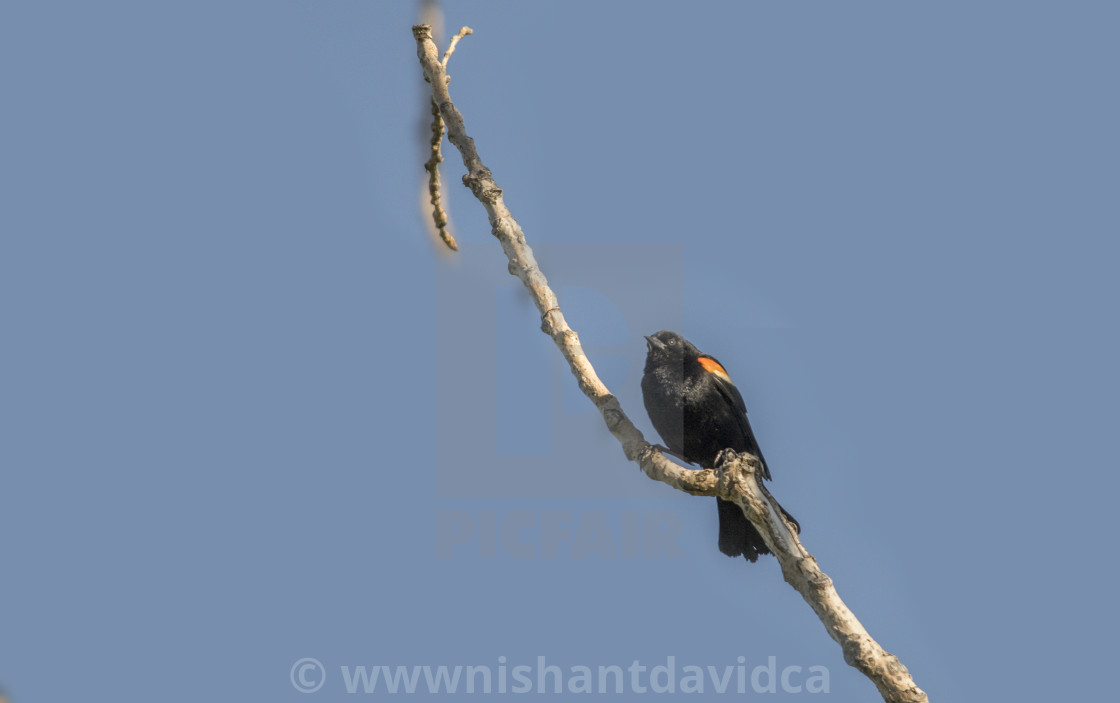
(251, 414)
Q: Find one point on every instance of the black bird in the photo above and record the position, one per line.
(699, 412)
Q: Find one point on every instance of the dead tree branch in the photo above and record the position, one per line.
(438, 225)
(736, 478)
(439, 215)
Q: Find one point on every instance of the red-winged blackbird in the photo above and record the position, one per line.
(699, 412)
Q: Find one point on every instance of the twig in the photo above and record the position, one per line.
(464, 31)
(736, 479)
(438, 223)
(439, 216)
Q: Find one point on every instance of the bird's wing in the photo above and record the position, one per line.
(726, 388)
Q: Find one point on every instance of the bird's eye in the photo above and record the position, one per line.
(671, 342)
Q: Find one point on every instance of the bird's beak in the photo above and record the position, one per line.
(652, 344)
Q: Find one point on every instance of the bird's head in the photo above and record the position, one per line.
(669, 346)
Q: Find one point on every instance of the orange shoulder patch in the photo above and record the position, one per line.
(712, 366)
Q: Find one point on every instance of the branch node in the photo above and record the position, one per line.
(735, 469)
(640, 452)
(482, 185)
(852, 650)
(568, 338)
(817, 580)
(548, 326)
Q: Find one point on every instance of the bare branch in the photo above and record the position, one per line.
(741, 483)
(439, 217)
(438, 225)
(737, 477)
(464, 31)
